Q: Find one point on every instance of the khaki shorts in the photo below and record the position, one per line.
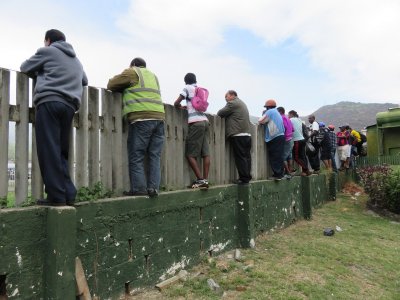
(197, 139)
(343, 152)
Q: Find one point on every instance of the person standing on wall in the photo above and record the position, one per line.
(144, 110)
(299, 143)
(288, 147)
(333, 139)
(314, 157)
(197, 139)
(237, 130)
(57, 96)
(274, 137)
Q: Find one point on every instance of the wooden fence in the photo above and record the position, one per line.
(98, 151)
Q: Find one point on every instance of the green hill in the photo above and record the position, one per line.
(357, 115)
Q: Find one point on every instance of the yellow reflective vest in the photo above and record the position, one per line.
(144, 95)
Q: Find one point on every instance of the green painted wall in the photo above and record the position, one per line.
(141, 241)
(22, 247)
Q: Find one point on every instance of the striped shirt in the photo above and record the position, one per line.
(193, 115)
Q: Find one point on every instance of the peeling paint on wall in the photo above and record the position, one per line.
(19, 258)
(219, 247)
(175, 267)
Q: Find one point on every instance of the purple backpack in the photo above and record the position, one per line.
(199, 100)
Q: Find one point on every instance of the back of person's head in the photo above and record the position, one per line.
(271, 103)
(293, 113)
(190, 78)
(138, 62)
(54, 35)
(232, 92)
(281, 110)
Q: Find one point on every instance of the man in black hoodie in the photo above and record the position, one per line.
(57, 96)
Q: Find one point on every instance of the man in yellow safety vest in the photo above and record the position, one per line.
(144, 110)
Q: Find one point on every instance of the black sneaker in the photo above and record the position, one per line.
(241, 182)
(152, 192)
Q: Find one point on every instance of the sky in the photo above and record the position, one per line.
(302, 53)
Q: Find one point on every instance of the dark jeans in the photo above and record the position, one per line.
(275, 150)
(314, 159)
(53, 127)
(333, 159)
(241, 146)
(145, 138)
(299, 154)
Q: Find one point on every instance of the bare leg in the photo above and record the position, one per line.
(206, 166)
(193, 164)
(290, 165)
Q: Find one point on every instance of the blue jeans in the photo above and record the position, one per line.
(145, 138)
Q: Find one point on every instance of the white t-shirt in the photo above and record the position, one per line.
(193, 115)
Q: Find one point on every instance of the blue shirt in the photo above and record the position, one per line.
(274, 126)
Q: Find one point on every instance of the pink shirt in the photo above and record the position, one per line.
(288, 128)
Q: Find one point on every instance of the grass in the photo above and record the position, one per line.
(360, 262)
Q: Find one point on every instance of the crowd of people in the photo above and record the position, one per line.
(57, 96)
(289, 139)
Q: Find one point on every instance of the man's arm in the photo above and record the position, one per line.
(264, 119)
(84, 79)
(34, 64)
(178, 101)
(226, 110)
(122, 81)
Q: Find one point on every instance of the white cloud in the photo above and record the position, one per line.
(355, 43)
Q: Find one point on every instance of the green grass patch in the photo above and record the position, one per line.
(299, 262)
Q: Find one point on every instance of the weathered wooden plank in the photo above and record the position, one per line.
(106, 149)
(22, 139)
(94, 125)
(4, 127)
(37, 180)
(119, 162)
(71, 154)
(36, 177)
(253, 152)
(82, 143)
(124, 153)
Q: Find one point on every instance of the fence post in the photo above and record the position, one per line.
(4, 107)
(59, 268)
(22, 140)
(93, 117)
(245, 216)
(82, 144)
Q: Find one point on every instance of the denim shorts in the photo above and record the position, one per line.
(287, 150)
(197, 139)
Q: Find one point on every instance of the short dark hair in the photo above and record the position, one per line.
(54, 35)
(138, 62)
(190, 78)
(281, 110)
(232, 92)
(293, 113)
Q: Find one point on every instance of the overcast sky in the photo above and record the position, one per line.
(303, 53)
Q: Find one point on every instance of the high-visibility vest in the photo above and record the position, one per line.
(143, 96)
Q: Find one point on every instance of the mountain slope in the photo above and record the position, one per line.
(357, 115)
